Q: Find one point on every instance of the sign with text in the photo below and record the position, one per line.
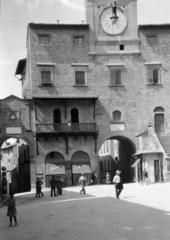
(117, 127)
(13, 130)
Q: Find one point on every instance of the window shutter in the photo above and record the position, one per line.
(79, 77)
(46, 77)
(118, 77)
(150, 75)
(112, 77)
(155, 76)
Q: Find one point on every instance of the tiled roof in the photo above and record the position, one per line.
(58, 26)
(165, 141)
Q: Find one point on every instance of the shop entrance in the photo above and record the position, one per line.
(117, 153)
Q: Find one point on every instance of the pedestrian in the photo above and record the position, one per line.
(118, 183)
(39, 184)
(59, 184)
(82, 183)
(93, 178)
(11, 210)
(145, 176)
(4, 185)
(108, 178)
(53, 186)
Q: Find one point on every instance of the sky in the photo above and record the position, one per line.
(16, 14)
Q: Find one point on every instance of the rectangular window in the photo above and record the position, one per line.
(115, 77)
(46, 77)
(78, 40)
(46, 73)
(79, 77)
(154, 75)
(44, 38)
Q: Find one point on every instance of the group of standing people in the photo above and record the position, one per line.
(55, 185)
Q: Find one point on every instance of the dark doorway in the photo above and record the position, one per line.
(156, 170)
(57, 116)
(74, 115)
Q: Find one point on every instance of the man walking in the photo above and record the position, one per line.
(118, 183)
(82, 183)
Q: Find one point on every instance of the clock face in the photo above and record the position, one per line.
(113, 24)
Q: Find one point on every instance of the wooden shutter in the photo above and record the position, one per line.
(45, 77)
(79, 77)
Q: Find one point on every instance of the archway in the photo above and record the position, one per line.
(80, 164)
(54, 165)
(117, 153)
(15, 165)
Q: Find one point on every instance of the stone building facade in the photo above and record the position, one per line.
(87, 83)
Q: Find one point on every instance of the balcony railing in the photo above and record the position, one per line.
(64, 128)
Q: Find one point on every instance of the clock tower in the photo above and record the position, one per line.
(113, 26)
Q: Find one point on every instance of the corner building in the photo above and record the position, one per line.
(88, 83)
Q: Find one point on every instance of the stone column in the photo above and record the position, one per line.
(68, 168)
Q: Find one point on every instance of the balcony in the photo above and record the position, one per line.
(66, 129)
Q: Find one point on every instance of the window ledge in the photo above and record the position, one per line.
(80, 86)
(44, 44)
(114, 122)
(46, 85)
(154, 84)
(116, 86)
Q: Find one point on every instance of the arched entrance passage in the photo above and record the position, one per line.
(80, 164)
(117, 153)
(15, 161)
(54, 165)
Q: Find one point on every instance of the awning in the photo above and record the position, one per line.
(52, 169)
(147, 152)
(136, 162)
(81, 169)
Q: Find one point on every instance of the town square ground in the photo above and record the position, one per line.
(143, 212)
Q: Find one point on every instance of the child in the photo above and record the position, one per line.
(39, 184)
(11, 211)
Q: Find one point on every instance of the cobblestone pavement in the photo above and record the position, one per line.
(141, 213)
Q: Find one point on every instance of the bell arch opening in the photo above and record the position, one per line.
(116, 153)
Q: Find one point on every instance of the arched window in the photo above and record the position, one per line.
(159, 119)
(57, 116)
(116, 116)
(74, 115)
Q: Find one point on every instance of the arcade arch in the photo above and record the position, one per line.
(54, 165)
(117, 153)
(80, 164)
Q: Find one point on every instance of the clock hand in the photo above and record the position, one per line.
(114, 21)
